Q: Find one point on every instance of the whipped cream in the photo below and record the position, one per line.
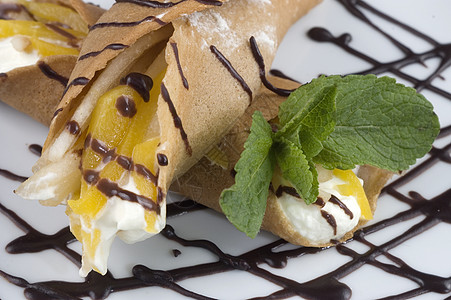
(16, 55)
(308, 220)
(118, 217)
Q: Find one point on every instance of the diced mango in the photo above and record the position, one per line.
(353, 187)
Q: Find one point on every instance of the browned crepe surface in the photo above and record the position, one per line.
(30, 91)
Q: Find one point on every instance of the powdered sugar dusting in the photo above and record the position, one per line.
(210, 23)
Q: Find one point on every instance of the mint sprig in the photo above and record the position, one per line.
(337, 122)
(244, 203)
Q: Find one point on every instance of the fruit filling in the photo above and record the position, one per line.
(119, 191)
(52, 30)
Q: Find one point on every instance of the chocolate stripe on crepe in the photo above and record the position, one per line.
(52, 74)
(108, 47)
(226, 63)
(127, 24)
(167, 4)
(261, 66)
(125, 162)
(179, 66)
(57, 112)
(176, 118)
(76, 81)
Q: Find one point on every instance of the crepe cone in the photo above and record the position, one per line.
(36, 89)
(205, 181)
(211, 78)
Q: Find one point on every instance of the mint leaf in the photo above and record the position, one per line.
(313, 121)
(379, 122)
(244, 203)
(299, 171)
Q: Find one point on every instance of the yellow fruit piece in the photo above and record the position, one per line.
(90, 242)
(45, 12)
(144, 154)
(218, 157)
(34, 29)
(151, 218)
(353, 187)
(49, 49)
(90, 202)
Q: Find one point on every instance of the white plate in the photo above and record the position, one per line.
(302, 59)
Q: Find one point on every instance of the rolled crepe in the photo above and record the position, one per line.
(205, 181)
(36, 89)
(208, 76)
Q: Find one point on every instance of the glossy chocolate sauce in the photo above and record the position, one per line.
(76, 81)
(261, 65)
(113, 47)
(35, 149)
(52, 74)
(141, 83)
(125, 106)
(177, 121)
(73, 127)
(326, 286)
(127, 24)
(125, 162)
(226, 63)
(179, 66)
(167, 4)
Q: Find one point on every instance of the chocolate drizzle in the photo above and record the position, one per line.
(176, 118)
(226, 63)
(329, 285)
(125, 162)
(76, 81)
(73, 127)
(114, 47)
(126, 106)
(127, 24)
(167, 4)
(261, 66)
(52, 74)
(179, 66)
(141, 83)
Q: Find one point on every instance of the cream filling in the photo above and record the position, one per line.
(13, 50)
(119, 217)
(308, 220)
